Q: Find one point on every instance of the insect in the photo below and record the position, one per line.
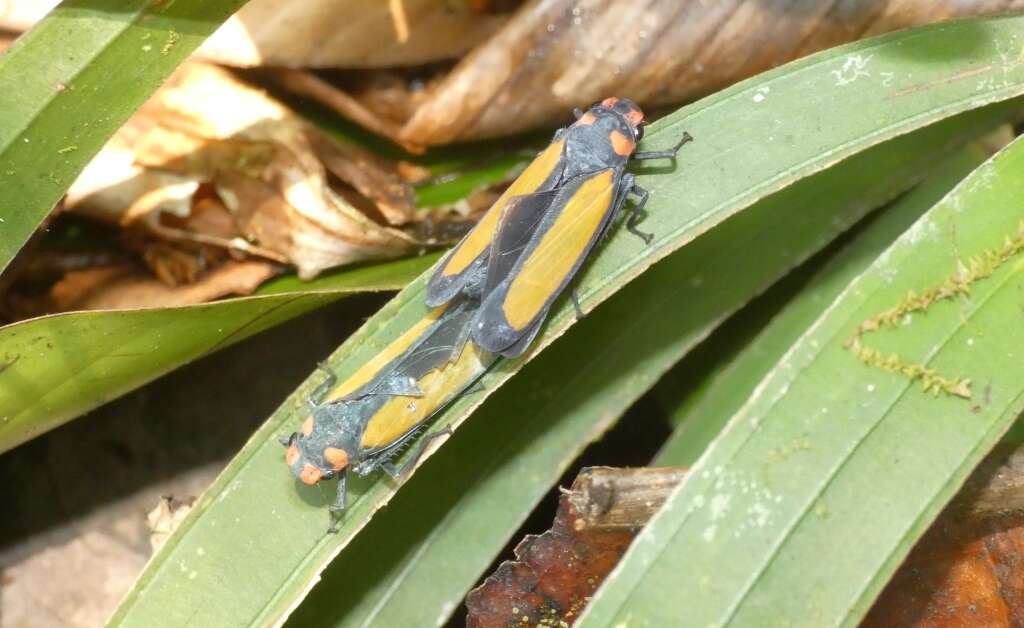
(490, 295)
(380, 408)
(526, 249)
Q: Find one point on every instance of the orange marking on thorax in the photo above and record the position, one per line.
(586, 119)
(337, 457)
(292, 455)
(307, 427)
(621, 144)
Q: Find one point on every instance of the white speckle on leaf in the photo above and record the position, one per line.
(719, 506)
(761, 94)
(709, 533)
(871, 388)
(852, 69)
(761, 514)
(446, 609)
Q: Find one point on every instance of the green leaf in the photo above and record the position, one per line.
(752, 140)
(702, 415)
(57, 367)
(420, 555)
(824, 479)
(71, 82)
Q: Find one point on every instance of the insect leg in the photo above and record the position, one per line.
(397, 473)
(338, 507)
(576, 303)
(663, 154)
(636, 212)
(318, 394)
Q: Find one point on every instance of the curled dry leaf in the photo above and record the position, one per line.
(555, 574)
(210, 160)
(554, 55)
(966, 570)
(163, 520)
(327, 33)
(127, 286)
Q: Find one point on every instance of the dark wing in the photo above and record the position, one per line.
(513, 309)
(519, 222)
(464, 269)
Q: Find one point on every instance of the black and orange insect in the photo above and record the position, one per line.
(529, 245)
(490, 295)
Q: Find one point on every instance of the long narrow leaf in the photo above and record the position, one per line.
(57, 367)
(703, 415)
(805, 505)
(68, 84)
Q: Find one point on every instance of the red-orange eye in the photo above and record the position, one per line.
(310, 474)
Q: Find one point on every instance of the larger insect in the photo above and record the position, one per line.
(490, 295)
(527, 248)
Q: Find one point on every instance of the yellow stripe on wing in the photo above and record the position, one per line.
(559, 250)
(372, 368)
(399, 415)
(479, 239)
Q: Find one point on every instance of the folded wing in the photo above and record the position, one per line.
(464, 269)
(514, 306)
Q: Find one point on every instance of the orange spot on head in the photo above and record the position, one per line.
(307, 427)
(610, 101)
(635, 117)
(292, 454)
(310, 474)
(586, 119)
(621, 144)
(337, 457)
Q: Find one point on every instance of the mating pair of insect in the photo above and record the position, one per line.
(490, 295)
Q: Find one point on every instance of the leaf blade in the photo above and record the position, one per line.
(71, 82)
(58, 367)
(804, 482)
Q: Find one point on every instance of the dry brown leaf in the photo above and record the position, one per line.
(208, 144)
(127, 286)
(325, 33)
(555, 574)
(163, 520)
(554, 55)
(559, 54)
(966, 571)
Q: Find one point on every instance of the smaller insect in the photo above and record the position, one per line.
(526, 249)
(381, 408)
